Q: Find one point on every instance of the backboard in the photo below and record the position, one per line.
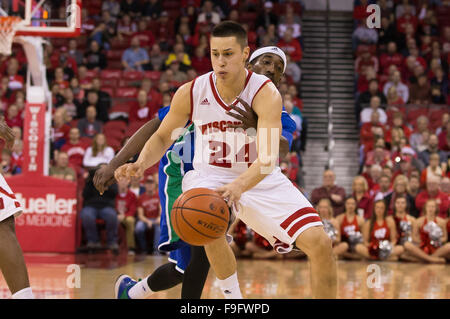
(44, 18)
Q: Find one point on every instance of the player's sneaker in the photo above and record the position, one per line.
(123, 284)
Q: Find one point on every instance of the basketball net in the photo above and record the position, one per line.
(8, 28)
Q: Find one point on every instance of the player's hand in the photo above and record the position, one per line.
(129, 170)
(231, 193)
(103, 178)
(247, 116)
(6, 134)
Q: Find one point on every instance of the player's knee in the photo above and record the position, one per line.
(316, 243)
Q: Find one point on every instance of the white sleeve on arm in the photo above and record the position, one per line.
(88, 160)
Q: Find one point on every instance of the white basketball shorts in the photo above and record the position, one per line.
(9, 205)
(274, 208)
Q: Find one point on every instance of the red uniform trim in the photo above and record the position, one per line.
(192, 99)
(305, 210)
(216, 94)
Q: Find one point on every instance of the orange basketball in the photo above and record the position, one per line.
(199, 216)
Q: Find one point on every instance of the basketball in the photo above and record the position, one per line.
(199, 216)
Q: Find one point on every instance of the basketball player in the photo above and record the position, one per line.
(12, 263)
(270, 61)
(260, 195)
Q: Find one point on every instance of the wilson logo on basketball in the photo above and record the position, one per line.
(211, 226)
(204, 102)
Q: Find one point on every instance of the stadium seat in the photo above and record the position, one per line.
(115, 125)
(132, 75)
(114, 55)
(115, 64)
(108, 90)
(133, 127)
(92, 74)
(119, 111)
(129, 92)
(74, 123)
(110, 74)
(414, 112)
(110, 83)
(117, 44)
(171, 5)
(152, 75)
(86, 140)
(435, 117)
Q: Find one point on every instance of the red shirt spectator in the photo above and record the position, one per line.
(150, 204)
(200, 62)
(390, 57)
(291, 46)
(407, 18)
(444, 138)
(126, 204)
(360, 12)
(12, 117)
(145, 36)
(75, 148)
(142, 110)
(440, 197)
(365, 204)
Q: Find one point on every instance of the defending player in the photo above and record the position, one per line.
(269, 61)
(260, 194)
(12, 263)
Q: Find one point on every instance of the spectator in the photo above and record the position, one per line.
(60, 129)
(442, 128)
(364, 60)
(70, 104)
(446, 40)
(289, 21)
(153, 95)
(130, 7)
(291, 46)
(440, 81)
(393, 99)
(408, 17)
(445, 186)
(360, 190)
(89, 126)
(126, 212)
(135, 186)
(96, 206)
(102, 107)
(62, 170)
(94, 58)
(98, 153)
(104, 99)
(433, 191)
(383, 189)
(13, 117)
(293, 70)
(17, 157)
(375, 103)
(126, 28)
(148, 210)
(113, 7)
(16, 81)
(397, 124)
(433, 169)
(266, 17)
(200, 62)
(331, 191)
(420, 92)
(152, 9)
(413, 191)
(395, 81)
(75, 149)
(432, 147)
(444, 138)
(379, 155)
(387, 32)
(417, 140)
(365, 97)
(363, 35)
(7, 169)
(371, 132)
(67, 63)
(157, 58)
(84, 82)
(144, 35)
(142, 110)
(208, 14)
(326, 213)
(178, 50)
(399, 190)
(135, 57)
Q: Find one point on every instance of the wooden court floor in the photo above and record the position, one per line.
(53, 276)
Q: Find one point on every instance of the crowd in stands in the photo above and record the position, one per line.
(127, 63)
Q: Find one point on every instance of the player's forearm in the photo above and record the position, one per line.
(153, 150)
(136, 143)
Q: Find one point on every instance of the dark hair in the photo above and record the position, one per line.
(231, 29)
(373, 218)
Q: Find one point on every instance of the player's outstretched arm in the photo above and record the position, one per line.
(169, 130)
(267, 105)
(104, 176)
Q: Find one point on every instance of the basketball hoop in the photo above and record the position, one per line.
(8, 28)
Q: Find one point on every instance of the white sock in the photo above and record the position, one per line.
(141, 290)
(230, 287)
(25, 293)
